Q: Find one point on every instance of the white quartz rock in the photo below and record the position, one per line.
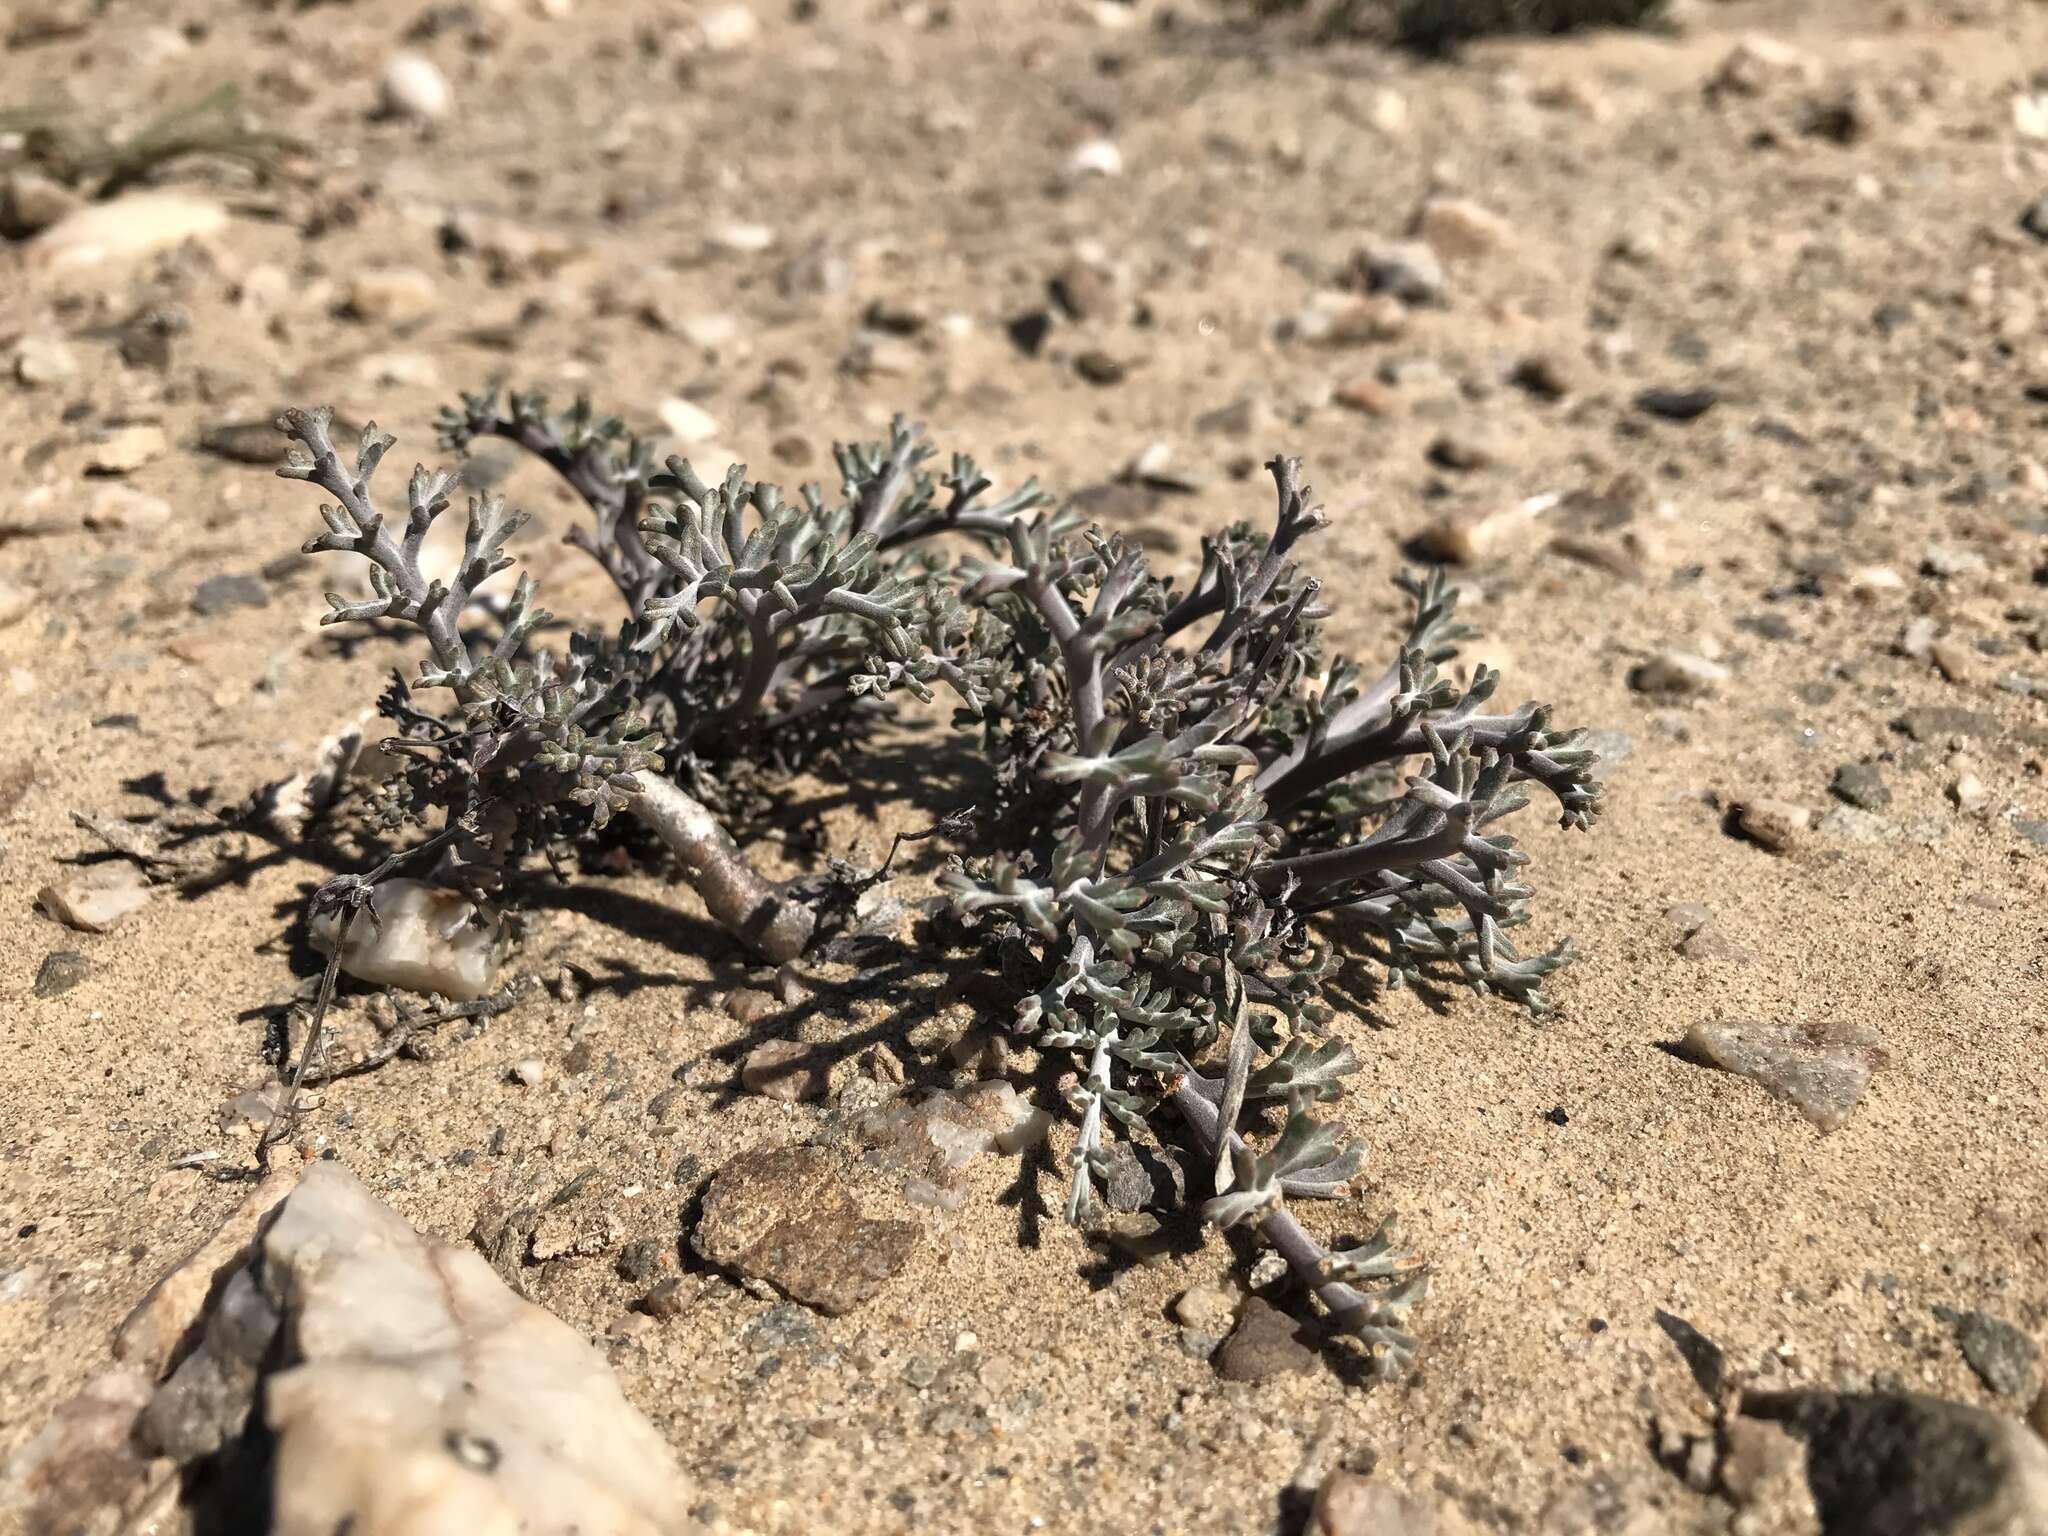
(425, 938)
(429, 1400)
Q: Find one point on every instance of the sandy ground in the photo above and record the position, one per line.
(1865, 304)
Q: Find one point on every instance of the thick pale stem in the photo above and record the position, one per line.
(739, 899)
(1291, 1240)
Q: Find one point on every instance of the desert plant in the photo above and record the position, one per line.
(1209, 812)
(1232, 819)
(755, 627)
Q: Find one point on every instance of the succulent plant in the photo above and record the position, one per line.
(1212, 812)
(1231, 820)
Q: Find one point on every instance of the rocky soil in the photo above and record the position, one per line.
(1716, 361)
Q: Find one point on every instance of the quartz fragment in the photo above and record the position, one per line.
(425, 938)
(1821, 1069)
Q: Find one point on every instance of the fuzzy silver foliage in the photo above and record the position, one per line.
(1205, 811)
(1231, 811)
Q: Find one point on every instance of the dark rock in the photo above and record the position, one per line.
(1861, 785)
(1678, 404)
(783, 1215)
(1141, 1179)
(895, 318)
(1408, 269)
(638, 1261)
(1265, 1343)
(1099, 368)
(219, 594)
(1880, 1464)
(2035, 832)
(1028, 331)
(2035, 219)
(1542, 376)
(61, 970)
(2001, 1355)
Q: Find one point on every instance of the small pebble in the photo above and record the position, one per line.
(414, 87)
(1774, 824)
(1678, 674)
(787, 1070)
(528, 1071)
(1678, 404)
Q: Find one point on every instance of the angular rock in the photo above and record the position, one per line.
(787, 1070)
(1080, 289)
(1707, 944)
(1350, 1505)
(2003, 1357)
(1938, 723)
(94, 901)
(407, 1392)
(937, 1137)
(1906, 1465)
(1410, 270)
(1777, 825)
(1209, 1308)
(1822, 1070)
(425, 938)
(61, 970)
(126, 449)
(429, 1398)
(160, 1328)
(749, 1005)
(1471, 534)
(1457, 228)
(125, 227)
(1266, 1343)
(82, 1474)
(1139, 1178)
(1861, 785)
(783, 1215)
